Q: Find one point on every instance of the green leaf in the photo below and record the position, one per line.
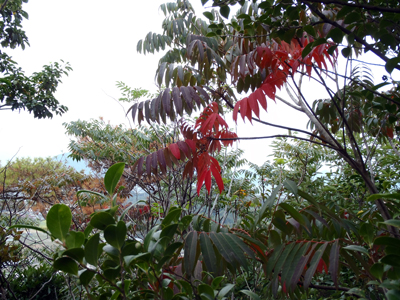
(334, 262)
(208, 15)
(386, 196)
(291, 186)
(112, 177)
(346, 51)
(391, 259)
(387, 241)
(377, 270)
(273, 259)
(395, 223)
(115, 234)
(225, 290)
(293, 212)
(59, 220)
(92, 249)
(336, 35)
(67, 265)
(75, 253)
(29, 227)
(172, 216)
(251, 294)
(391, 64)
(307, 49)
(313, 265)
(169, 231)
(190, 252)
(268, 203)
(224, 11)
(101, 220)
(356, 248)
(85, 276)
(74, 239)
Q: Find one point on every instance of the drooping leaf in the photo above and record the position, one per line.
(334, 262)
(207, 250)
(190, 252)
(313, 265)
(113, 176)
(59, 220)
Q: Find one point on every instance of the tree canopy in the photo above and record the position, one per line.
(33, 93)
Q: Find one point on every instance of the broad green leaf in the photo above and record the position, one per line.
(307, 49)
(149, 237)
(208, 15)
(172, 216)
(251, 294)
(190, 252)
(75, 253)
(377, 270)
(313, 265)
(101, 220)
(224, 11)
(395, 223)
(225, 290)
(391, 259)
(387, 241)
(59, 220)
(386, 196)
(169, 231)
(85, 276)
(207, 250)
(74, 239)
(357, 248)
(67, 265)
(112, 177)
(336, 35)
(115, 234)
(91, 249)
(111, 250)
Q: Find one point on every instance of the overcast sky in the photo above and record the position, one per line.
(98, 38)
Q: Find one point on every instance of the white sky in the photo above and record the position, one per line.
(99, 40)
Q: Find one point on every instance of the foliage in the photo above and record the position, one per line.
(34, 93)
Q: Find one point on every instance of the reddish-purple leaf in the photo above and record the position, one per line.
(134, 109)
(243, 108)
(161, 161)
(242, 63)
(167, 154)
(166, 101)
(176, 95)
(185, 148)
(200, 180)
(313, 265)
(175, 150)
(203, 93)
(194, 96)
(148, 165)
(188, 171)
(186, 95)
(208, 180)
(191, 144)
(300, 268)
(334, 262)
(140, 166)
(154, 162)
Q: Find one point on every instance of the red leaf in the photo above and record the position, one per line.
(254, 105)
(192, 145)
(243, 108)
(167, 154)
(188, 171)
(261, 98)
(175, 150)
(200, 180)
(218, 178)
(322, 266)
(161, 161)
(249, 112)
(208, 180)
(235, 111)
(185, 148)
(269, 90)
